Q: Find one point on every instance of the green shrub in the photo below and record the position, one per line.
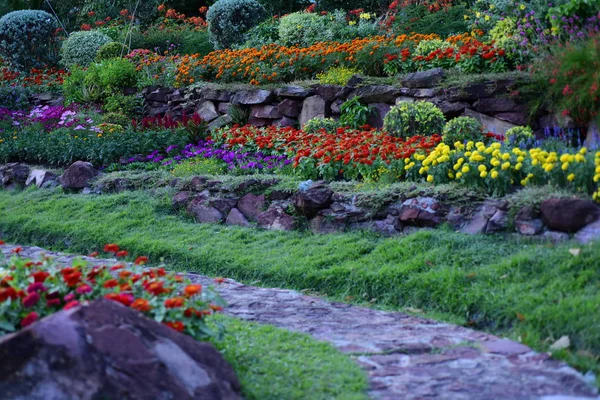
(119, 103)
(77, 89)
(418, 19)
(115, 118)
(196, 42)
(282, 7)
(368, 5)
(81, 48)
(229, 20)
(116, 74)
(354, 113)
(409, 119)
(462, 129)
(519, 136)
(315, 124)
(28, 40)
(337, 76)
(425, 47)
(157, 40)
(111, 50)
(302, 29)
(14, 97)
(265, 33)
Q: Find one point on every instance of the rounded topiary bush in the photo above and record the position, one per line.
(462, 129)
(409, 119)
(313, 125)
(520, 136)
(229, 20)
(81, 48)
(28, 39)
(111, 50)
(301, 28)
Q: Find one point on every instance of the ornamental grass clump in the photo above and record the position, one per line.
(31, 290)
(411, 119)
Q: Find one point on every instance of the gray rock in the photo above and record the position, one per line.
(285, 122)
(498, 222)
(181, 199)
(203, 213)
(555, 236)
(78, 175)
(376, 94)
(220, 122)
(14, 173)
(108, 351)
(529, 227)
(379, 111)
(424, 93)
(38, 177)
(276, 219)
(495, 105)
(222, 204)
(592, 137)
(313, 107)
(323, 224)
(207, 111)
(294, 92)
(259, 122)
(589, 233)
(451, 109)
(214, 94)
(289, 108)
(568, 214)
(223, 108)
(387, 227)
(423, 79)
(266, 111)
(327, 92)
(235, 217)
(336, 106)
(258, 96)
(251, 205)
(313, 200)
(506, 347)
(514, 117)
(492, 124)
(476, 225)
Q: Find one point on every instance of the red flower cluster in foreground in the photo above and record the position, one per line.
(33, 290)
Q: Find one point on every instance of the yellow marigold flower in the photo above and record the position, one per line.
(429, 178)
(530, 175)
(450, 175)
(458, 175)
(548, 167)
(579, 158)
(494, 174)
(495, 162)
(583, 150)
(505, 166)
(520, 159)
(518, 166)
(524, 182)
(483, 174)
(565, 166)
(505, 156)
(571, 177)
(482, 168)
(465, 169)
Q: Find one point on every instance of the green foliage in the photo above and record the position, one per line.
(414, 118)
(519, 136)
(354, 113)
(119, 103)
(265, 33)
(462, 129)
(418, 19)
(111, 50)
(368, 5)
(283, 7)
(28, 40)
(81, 48)
(302, 29)
(145, 11)
(425, 47)
(572, 86)
(196, 42)
(238, 115)
(581, 8)
(199, 166)
(116, 118)
(337, 76)
(116, 74)
(66, 145)
(229, 20)
(453, 275)
(14, 97)
(275, 364)
(315, 124)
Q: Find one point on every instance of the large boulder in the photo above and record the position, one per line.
(313, 107)
(491, 124)
(378, 113)
(251, 205)
(290, 108)
(424, 79)
(207, 111)
(421, 211)
(495, 105)
(276, 219)
(294, 92)
(78, 175)
(327, 92)
(203, 212)
(252, 97)
(316, 198)
(108, 351)
(235, 217)
(568, 214)
(266, 111)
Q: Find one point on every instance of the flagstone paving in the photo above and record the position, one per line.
(405, 357)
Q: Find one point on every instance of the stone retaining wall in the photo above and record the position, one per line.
(490, 102)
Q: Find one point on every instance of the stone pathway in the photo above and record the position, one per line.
(405, 357)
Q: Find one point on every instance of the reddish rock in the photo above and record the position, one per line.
(251, 205)
(289, 108)
(276, 219)
(224, 205)
(505, 347)
(568, 214)
(235, 217)
(266, 112)
(78, 175)
(311, 201)
(181, 199)
(108, 351)
(202, 212)
(421, 211)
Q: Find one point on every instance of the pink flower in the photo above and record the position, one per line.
(83, 289)
(31, 299)
(70, 297)
(36, 287)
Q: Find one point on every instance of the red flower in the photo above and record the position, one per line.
(70, 297)
(177, 325)
(85, 27)
(71, 304)
(40, 276)
(141, 260)
(141, 305)
(216, 307)
(2, 242)
(52, 302)
(111, 248)
(17, 250)
(31, 299)
(84, 289)
(117, 267)
(123, 298)
(122, 253)
(111, 283)
(192, 290)
(219, 280)
(29, 319)
(93, 255)
(124, 12)
(8, 293)
(174, 302)
(36, 287)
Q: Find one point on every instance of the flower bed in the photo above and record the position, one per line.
(32, 290)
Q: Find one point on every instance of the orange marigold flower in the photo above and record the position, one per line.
(141, 305)
(174, 302)
(122, 253)
(111, 283)
(177, 325)
(191, 290)
(141, 260)
(111, 248)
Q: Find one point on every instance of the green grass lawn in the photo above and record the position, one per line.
(273, 363)
(511, 286)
